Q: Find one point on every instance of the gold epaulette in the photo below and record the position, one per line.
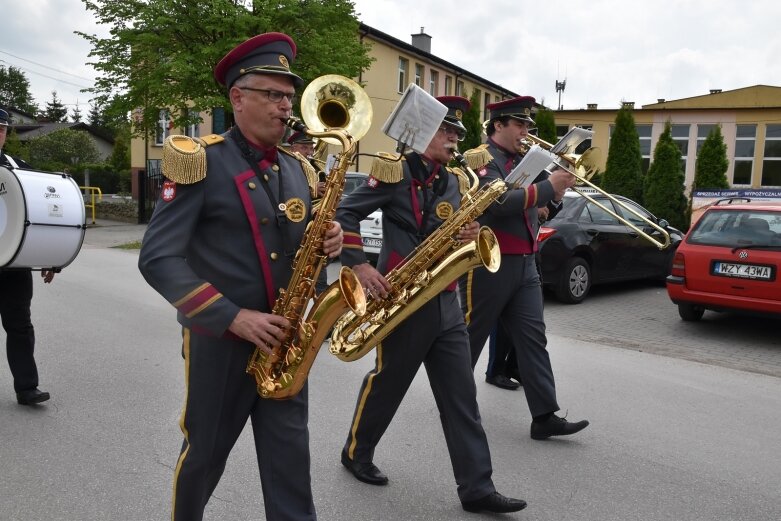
(464, 182)
(387, 168)
(478, 157)
(306, 166)
(184, 157)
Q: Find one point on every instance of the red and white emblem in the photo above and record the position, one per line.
(169, 191)
(372, 182)
(482, 172)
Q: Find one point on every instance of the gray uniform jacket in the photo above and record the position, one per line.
(513, 218)
(214, 246)
(404, 207)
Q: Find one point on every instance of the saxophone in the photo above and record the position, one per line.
(282, 373)
(436, 262)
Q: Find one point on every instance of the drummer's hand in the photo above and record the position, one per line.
(469, 232)
(48, 275)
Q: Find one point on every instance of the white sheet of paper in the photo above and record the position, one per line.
(415, 119)
(535, 161)
(570, 141)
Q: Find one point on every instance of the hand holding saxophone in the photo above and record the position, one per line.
(265, 330)
(332, 243)
(374, 284)
(468, 232)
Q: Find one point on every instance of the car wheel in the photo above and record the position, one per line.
(575, 282)
(690, 312)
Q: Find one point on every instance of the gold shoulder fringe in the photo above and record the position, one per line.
(309, 171)
(478, 157)
(184, 159)
(387, 168)
(464, 182)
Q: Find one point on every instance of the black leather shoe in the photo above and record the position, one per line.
(366, 472)
(555, 426)
(515, 376)
(494, 502)
(502, 381)
(31, 397)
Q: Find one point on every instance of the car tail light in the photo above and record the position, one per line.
(545, 233)
(679, 266)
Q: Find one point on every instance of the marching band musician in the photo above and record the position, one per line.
(513, 293)
(16, 295)
(219, 246)
(416, 195)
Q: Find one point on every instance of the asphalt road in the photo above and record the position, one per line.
(671, 438)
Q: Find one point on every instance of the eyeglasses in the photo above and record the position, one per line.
(451, 131)
(274, 96)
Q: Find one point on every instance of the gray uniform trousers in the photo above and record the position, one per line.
(435, 336)
(220, 398)
(513, 295)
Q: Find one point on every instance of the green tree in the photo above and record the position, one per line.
(13, 146)
(55, 111)
(624, 170)
(161, 53)
(664, 183)
(712, 162)
(63, 150)
(15, 90)
(473, 124)
(546, 124)
(76, 114)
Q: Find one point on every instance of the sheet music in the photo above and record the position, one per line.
(415, 119)
(535, 161)
(571, 140)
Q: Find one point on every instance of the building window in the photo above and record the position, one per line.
(745, 144)
(771, 166)
(218, 121)
(563, 129)
(418, 75)
(680, 135)
(448, 85)
(163, 127)
(702, 134)
(433, 83)
(192, 130)
(459, 88)
(486, 102)
(644, 133)
(403, 64)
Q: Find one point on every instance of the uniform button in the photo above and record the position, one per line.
(264, 220)
(265, 177)
(275, 168)
(251, 186)
(273, 256)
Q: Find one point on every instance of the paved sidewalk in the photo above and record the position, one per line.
(106, 233)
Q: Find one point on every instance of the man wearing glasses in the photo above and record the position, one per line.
(219, 247)
(416, 196)
(513, 294)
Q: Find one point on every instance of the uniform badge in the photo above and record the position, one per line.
(372, 182)
(482, 172)
(169, 191)
(295, 209)
(284, 61)
(444, 210)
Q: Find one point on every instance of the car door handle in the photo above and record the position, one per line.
(592, 232)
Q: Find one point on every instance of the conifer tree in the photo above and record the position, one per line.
(76, 114)
(712, 162)
(474, 127)
(624, 170)
(55, 111)
(664, 183)
(545, 122)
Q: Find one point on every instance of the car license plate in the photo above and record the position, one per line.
(743, 271)
(375, 243)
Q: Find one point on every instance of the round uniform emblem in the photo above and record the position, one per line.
(295, 209)
(459, 114)
(283, 61)
(444, 210)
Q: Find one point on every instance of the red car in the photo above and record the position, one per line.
(729, 261)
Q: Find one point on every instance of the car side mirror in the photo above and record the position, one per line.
(663, 223)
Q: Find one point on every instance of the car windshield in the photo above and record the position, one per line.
(738, 229)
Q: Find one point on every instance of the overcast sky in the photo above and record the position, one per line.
(607, 51)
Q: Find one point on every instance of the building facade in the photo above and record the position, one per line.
(750, 120)
(396, 64)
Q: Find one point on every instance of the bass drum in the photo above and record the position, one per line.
(42, 219)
